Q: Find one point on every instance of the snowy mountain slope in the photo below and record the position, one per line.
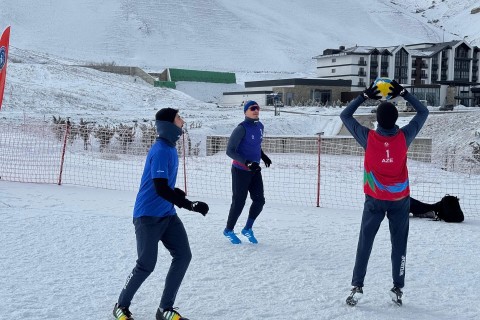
(454, 16)
(210, 34)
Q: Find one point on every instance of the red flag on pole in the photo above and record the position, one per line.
(3, 61)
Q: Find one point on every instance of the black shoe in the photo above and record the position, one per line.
(355, 295)
(396, 294)
(169, 314)
(122, 313)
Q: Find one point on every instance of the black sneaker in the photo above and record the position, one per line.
(355, 295)
(169, 314)
(122, 313)
(396, 294)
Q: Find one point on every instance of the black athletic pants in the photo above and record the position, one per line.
(244, 182)
(149, 231)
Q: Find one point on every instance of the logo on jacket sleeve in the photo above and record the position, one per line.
(2, 57)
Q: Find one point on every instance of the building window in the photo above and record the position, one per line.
(462, 70)
(401, 66)
(334, 60)
(333, 70)
(461, 52)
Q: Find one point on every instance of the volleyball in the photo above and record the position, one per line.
(383, 84)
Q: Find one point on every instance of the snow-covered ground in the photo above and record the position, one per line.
(66, 252)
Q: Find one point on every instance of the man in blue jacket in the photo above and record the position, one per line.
(155, 219)
(245, 148)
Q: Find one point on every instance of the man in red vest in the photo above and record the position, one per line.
(386, 184)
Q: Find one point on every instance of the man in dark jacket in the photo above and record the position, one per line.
(386, 183)
(155, 219)
(245, 148)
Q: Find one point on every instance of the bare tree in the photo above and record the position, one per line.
(126, 135)
(104, 135)
(149, 134)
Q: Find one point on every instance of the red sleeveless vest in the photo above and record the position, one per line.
(386, 174)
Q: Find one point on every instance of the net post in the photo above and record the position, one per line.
(319, 143)
(64, 148)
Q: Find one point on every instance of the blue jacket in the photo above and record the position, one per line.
(245, 143)
(161, 162)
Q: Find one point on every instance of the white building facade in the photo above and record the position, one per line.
(441, 73)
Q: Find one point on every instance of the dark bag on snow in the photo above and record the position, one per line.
(449, 209)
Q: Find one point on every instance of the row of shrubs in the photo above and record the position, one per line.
(85, 130)
(125, 135)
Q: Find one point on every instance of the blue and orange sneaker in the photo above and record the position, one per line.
(231, 236)
(249, 234)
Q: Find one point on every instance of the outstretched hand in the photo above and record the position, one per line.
(266, 160)
(372, 92)
(199, 206)
(397, 89)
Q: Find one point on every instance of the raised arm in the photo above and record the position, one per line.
(413, 127)
(359, 132)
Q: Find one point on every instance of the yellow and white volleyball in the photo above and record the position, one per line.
(383, 84)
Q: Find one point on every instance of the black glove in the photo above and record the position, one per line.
(396, 89)
(266, 160)
(372, 92)
(253, 166)
(199, 206)
(180, 192)
(196, 206)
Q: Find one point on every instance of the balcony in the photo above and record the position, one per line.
(362, 62)
(362, 74)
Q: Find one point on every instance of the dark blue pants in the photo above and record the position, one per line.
(149, 231)
(373, 213)
(244, 182)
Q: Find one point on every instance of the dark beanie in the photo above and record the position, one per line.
(387, 115)
(248, 104)
(166, 114)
